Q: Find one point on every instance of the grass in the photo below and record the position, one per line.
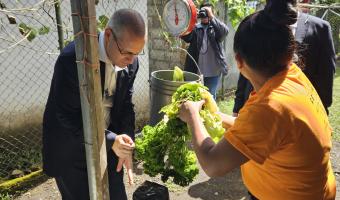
(18, 186)
(226, 106)
(26, 159)
(334, 116)
(6, 197)
(21, 147)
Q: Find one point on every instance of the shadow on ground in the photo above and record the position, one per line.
(227, 187)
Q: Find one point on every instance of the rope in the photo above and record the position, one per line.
(85, 61)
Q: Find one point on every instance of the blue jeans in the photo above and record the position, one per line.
(212, 83)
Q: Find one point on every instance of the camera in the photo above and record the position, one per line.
(202, 13)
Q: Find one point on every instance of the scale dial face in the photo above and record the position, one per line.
(177, 16)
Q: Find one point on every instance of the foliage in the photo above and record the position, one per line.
(102, 22)
(68, 40)
(237, 11)
(31, 32)
(164, 147)
(330, 15)
(43, 30)
(328, 2)
(26, 160)
(167, 139)
(334, 116)
(226, 106)
(213, 2)
(5, 196)
(27, 31)
(17, 186)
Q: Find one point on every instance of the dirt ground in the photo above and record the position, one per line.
(229, 187)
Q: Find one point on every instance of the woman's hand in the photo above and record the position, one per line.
(189, 110)
(227, 120)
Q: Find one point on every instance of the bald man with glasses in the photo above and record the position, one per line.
(63, 142)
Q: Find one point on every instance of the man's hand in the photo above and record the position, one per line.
(127, 162)
(123, 146)
(209, 12)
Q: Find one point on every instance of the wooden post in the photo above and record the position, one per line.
(86, 42)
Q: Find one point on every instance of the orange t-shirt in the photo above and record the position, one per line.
(284, 131)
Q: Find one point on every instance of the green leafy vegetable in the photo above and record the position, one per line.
(164, 147)
(178, 74)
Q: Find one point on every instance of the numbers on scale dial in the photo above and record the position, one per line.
(178, 16)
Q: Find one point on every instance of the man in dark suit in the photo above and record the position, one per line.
(63, 141)
(316, 57)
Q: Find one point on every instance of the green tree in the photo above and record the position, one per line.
(237, 11)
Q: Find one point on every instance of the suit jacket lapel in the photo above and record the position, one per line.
(302, 27)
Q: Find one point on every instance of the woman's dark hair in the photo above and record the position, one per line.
(264, 39)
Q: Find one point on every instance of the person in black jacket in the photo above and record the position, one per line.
(316, 56)
(206, 48)
(63, 141)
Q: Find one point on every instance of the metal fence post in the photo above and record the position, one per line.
(84, 26)
(59, 24)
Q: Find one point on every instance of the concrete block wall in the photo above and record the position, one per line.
(161, 56)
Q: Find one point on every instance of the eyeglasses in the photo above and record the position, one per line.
(127, 53)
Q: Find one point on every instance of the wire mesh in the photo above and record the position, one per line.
(26, 69)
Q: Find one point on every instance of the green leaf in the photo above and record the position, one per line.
(32, 34)
(67, 41)
(102, 22)
(164, 147)
(44, 30)
(237, 11)
(27, 31)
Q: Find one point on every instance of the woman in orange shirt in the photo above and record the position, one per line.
(282, 137)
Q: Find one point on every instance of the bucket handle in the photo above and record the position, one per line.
(192, 58)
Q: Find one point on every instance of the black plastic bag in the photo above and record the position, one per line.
(151, 191)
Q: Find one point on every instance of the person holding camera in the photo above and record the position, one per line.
(206, 48)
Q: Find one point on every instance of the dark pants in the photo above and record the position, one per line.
(73, 184)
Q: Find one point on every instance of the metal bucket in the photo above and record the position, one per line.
(162, 88)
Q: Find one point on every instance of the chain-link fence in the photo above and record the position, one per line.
(26, 69)
(330, 13)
